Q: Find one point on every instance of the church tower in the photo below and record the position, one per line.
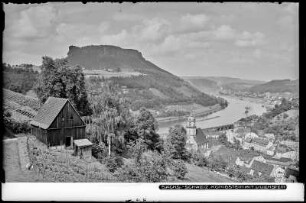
(191, 129)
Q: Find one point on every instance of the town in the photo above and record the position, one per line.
(245, 152)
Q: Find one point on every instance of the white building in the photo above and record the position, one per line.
(191, 129)
(196, 139)
(251, 135)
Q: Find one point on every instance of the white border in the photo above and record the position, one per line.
(142, 191)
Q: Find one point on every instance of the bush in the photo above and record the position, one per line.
(202, 161)
(150, 168)
(129, 173)
(180, 169)
(99, 151)
(217, 163)
(113, 162)
(199, 159)
(17, 127)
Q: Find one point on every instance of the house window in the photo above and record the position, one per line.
(71, 120)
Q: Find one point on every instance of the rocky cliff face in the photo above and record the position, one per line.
(104, 56)
(104, 50)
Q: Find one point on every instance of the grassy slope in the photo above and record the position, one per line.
(203, 174)
(61, 166)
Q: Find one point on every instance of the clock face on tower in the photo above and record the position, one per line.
(191, 123)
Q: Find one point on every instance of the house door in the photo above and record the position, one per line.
(68, 141)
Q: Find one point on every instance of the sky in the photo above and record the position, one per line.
(246, 40)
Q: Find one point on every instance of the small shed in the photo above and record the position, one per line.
(58, 123)
(82, 148)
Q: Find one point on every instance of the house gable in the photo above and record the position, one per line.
(67, 117)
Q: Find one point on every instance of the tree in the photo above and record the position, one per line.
(151, 167)
(179, 168)
(112, 117)
(145, 127)
(217, 163)
(177, 142)
(59, 79)
(20, 79)
(199, 159)
(247, 109)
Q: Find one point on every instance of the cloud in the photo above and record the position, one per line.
(240, 60)
(35, 22)
(291, 8)
(127, 17)
(289, 17)
(257, 53)
(170, 44)
(224, 32)
(153, 29)
(119, 39)
(103, 27)
(72, 34)
(198, 20)
(191, 23)
(250, 39)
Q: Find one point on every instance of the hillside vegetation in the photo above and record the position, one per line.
(203, 84)
(215, 84)
(12, 99)
(277, 86)
(19, 79)
(151, 89)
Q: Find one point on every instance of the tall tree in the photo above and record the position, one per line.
(145, 126)
(59, 79)
(111, 117)
(177, 142)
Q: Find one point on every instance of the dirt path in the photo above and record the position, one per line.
(12, 168)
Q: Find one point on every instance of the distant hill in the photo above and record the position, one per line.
(215, 84)
(203, 84)
(151, 87)
(277, 86)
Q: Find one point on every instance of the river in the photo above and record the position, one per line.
(233, 112)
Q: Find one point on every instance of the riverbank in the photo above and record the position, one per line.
(249, 99)
(232, 113)
(200, 112)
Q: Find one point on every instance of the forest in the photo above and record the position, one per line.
(21, 79)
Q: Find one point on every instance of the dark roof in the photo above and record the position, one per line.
(291, 171)
(262, 167)
(200, 137)
(48, 112)
(271, 158)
